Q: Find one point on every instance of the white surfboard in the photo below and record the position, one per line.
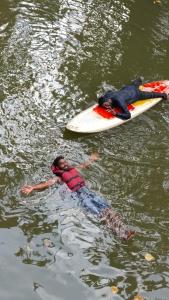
(95, 119)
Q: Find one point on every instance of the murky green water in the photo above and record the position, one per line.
(55, 57)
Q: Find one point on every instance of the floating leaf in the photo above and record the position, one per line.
(114, 289)
(149, 257)
(134, 253)
(138, 297)
(157, 2)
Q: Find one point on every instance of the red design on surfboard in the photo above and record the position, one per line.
(156, 86)
(108, 115)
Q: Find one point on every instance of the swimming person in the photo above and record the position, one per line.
(126, 95)
(89, 200)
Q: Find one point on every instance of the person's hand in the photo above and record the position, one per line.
(26, 190)
(114, 113)
(111, 110)
(94, 156)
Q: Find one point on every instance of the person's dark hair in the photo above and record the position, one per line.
(56, 161)
(101, 100)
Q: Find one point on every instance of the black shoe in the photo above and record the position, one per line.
(138, 81)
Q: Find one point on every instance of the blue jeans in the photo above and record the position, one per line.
(96, 205)
(91, 201)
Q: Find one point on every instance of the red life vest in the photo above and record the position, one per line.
(71, 177)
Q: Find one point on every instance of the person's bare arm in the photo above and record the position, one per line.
(26, 190)
(93, 157)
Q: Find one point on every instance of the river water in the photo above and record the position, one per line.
(56, 56)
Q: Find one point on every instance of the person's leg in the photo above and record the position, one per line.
(96, 205)
(114, 221)
(86, 198)
(150, 95)
(98, 201)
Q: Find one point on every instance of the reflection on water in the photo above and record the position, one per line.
(56, 56)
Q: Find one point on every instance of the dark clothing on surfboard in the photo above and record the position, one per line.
(127, 95)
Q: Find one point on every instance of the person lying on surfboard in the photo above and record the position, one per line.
(88, 199)
(126, 95)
